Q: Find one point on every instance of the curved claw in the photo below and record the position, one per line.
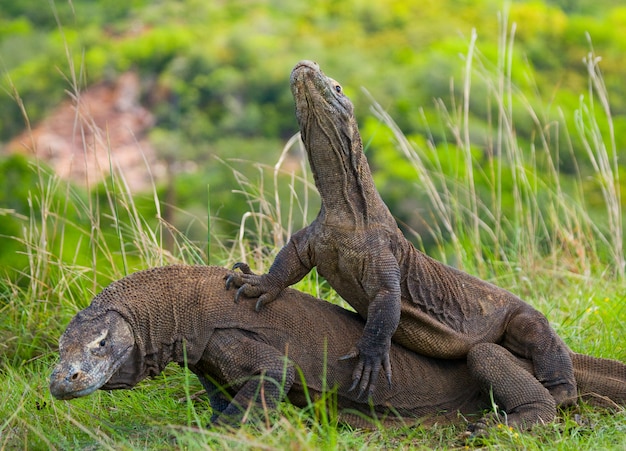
(352, 354)
(252, 285)
(358, 371)
(238, 294)
(229, 281)
(244, 267)
(356, 378)
(366, 372)
(387, 369)
(236, 279)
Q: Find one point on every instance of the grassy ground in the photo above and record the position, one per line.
(164, 413)
(564, 260)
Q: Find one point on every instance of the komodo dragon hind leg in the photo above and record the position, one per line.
(529, 335)
(516, 391)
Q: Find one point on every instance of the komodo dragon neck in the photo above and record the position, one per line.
(161, 307)
(335, 150)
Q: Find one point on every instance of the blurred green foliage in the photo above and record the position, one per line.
(215, 74)
(216, 68)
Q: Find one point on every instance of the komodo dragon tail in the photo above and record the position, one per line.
(601, 382)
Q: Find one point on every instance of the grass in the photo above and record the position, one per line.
(547, 247)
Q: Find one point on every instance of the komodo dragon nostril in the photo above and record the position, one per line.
(75, 376)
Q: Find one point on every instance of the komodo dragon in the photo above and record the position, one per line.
(431, 308)
(138, 324)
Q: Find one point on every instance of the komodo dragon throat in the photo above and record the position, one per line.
(139, 324)
(355, 243)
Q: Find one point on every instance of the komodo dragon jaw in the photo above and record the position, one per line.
(85, 368)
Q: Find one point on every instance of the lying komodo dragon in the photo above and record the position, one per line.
(139, 324)
(355, 243)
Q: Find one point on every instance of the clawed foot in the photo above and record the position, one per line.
(252, 285)
(236, 279)
(366, 371)
(480, 428)
(475, 432)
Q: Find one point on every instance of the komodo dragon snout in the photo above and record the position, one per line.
(90, 353)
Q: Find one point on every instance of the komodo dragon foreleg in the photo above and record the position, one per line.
(291, 264)
(219, 399)
(259, 374)
(383, 313)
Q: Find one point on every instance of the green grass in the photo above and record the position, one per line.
(549, 247)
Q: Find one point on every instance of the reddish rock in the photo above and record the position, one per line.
(105, 126)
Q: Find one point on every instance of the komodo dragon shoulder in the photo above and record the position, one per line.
(402, 293)
(139, 324)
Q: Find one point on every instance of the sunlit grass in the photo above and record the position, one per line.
(531, 218)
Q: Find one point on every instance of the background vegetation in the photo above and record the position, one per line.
(493, 129)
(215, 76)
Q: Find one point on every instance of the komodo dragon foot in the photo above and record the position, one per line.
(252, 285)
(367, 369)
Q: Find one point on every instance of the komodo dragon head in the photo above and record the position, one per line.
(92, 350)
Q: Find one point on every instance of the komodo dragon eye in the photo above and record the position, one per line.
(338, 88)
(100, 342)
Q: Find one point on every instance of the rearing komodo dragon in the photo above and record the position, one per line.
(431, 308)
(183, 314)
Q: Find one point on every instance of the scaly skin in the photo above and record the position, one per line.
(139, 324)
(402, 293)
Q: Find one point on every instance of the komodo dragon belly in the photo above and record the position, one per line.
(342, 257)
(435, 337)
(446, 312)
